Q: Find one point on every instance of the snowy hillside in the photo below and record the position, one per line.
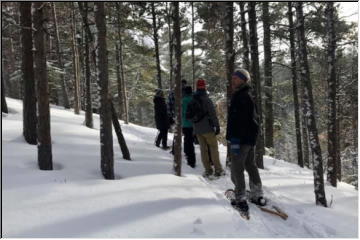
(147, 199)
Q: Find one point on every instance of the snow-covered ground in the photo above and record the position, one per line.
(147, 199)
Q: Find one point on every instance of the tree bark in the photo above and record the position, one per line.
(309, 110)
(156, 42)
(193, 44)
(44, 135)
(106, 140)
(4, 107)
(171, 81)
(120, 136)
(331, 79)
(88, 115)
(229, 57)
(244, 34)
(255, 70)
(177, 47)
(295, 86)
(76, 65)
(27, 67)
(269, 115)
(65, 94)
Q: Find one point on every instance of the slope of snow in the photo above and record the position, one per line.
(147, 199)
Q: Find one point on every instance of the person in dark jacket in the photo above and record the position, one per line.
(242, 130)
(161, 119)
(187, 128)
(206, 127)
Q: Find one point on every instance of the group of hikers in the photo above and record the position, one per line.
(200, 124)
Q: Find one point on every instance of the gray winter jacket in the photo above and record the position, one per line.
(210, 121)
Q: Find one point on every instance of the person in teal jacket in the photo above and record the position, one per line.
(187, 128)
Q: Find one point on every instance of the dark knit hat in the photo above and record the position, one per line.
(188, 90)
(159, 93)
(200, 84)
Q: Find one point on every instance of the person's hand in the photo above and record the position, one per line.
(217, 130)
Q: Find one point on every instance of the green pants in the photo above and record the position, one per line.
(209, 141)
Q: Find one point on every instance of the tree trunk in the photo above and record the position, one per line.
(229, 57)
(331, 79)
(120, 136)
(44, 136)
(193, 44)
(60, 62)
(309, 110)
(269, 116)
(255, 69)
(156, 42)
(27, 67)
(295, 87)
(76, 67)
(177, 46)
(106, 140)
(4, 107)
(168, 10)
(244, 35)
(88, 115)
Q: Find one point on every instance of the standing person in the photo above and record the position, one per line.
(187, 128)
(242, 130)
(161, 119)
(201, 112)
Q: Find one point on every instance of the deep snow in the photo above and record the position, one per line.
(147, 199)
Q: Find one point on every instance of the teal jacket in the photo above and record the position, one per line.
(185, 101)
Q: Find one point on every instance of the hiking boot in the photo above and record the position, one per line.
(207, 174)
(219, 173)
(260, 201)
(165, 147)
(241, 205)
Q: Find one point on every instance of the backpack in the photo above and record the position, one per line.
(195, 112)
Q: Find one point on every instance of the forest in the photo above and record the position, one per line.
(110, 57)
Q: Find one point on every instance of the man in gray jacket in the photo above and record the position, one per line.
(206, 127)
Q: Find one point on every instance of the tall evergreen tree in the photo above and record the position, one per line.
(76, 63)
(106, 140)
(295, 86)
(84, 9)
(255, 71)
(269, 115)
(59, 53)
(331, 79)
(44, 135)
(4, 107)
(309, 109)
(244, 37)
(27, 67)
(177, 71)
(156, 42)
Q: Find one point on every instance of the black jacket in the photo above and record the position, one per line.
(161, 116)
(243, 118)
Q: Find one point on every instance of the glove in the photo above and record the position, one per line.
(235, 146)
(217, 130)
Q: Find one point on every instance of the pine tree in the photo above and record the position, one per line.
(27, 67)
(177, 71)
(295, 86)
(44, 136)
(269, 116)
(106, 140)
(76, 64)
(244, 37)
(309, 109)
(59, 53)
(331, 79)
(156, 42)
(255, 70)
